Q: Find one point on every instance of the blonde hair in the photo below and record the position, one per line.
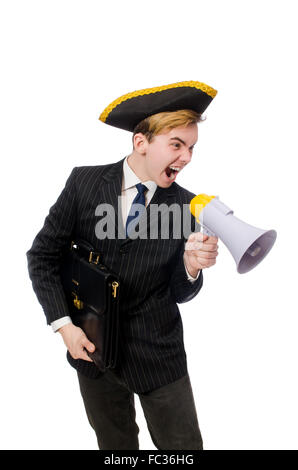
(167, 120)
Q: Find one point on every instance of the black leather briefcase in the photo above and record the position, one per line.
(92, 292)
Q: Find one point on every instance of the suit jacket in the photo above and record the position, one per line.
(151, 271)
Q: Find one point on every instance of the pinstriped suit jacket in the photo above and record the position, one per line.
(151, 271)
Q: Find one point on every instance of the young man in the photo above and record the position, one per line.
(156, 273)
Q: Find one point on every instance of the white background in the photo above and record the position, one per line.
(62, 63)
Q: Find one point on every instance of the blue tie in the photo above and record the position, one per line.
(134, 214)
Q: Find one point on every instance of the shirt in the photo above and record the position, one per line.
(128, 193)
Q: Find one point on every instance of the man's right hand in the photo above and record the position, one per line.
(75, 341)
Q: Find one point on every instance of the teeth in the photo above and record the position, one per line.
(175, 168)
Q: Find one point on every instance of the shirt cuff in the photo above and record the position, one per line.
(60, 322)
(189, 277)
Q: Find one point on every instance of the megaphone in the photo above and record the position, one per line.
(248, 244)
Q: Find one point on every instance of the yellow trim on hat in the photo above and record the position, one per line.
(146, 91)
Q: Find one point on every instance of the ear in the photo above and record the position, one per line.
(140, 143)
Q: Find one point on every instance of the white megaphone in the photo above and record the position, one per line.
(248, 244)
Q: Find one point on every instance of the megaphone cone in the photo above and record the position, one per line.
(248, 244)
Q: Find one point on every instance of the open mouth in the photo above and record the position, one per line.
(171, 172)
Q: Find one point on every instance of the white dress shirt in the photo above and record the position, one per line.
(128, 193)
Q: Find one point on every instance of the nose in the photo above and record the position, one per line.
(186, 156)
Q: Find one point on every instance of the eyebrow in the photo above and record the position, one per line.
(180, 140)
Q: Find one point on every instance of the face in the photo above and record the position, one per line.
(169, 153)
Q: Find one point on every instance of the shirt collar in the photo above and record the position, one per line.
(131, 179)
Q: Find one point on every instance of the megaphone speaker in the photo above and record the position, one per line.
(247, 244)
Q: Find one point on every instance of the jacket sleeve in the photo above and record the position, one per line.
(182, 289)
(45, 254)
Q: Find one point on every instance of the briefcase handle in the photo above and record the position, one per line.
(86, 249)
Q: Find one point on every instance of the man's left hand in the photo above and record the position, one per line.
(200, 252)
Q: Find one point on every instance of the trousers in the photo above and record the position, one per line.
(169, 411)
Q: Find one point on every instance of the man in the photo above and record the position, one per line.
(155, 273)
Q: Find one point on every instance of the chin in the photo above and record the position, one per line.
(164, 185)
(163, 182)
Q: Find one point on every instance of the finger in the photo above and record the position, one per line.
(192, 245)
(205, 255)
(199, 254)
(85, 356)
(209, 248)
(210, 263)
(197, 236)
(80, 354)
(207, 263)
(201, 246)
(211, 240)
(87, 344)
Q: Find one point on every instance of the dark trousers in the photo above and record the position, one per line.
(169, 411)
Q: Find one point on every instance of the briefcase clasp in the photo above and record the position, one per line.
(91, 256)
(77, 302)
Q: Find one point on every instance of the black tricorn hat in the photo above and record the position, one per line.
(128, 110)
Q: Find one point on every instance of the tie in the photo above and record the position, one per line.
(134, 214)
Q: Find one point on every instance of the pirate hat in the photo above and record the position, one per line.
(128, 110)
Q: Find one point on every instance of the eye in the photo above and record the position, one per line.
(176, 143)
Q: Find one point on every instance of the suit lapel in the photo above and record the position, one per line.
(111, 190)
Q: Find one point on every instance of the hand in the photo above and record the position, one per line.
(200, 252)
(76, 341)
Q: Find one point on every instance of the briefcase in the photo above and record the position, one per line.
(92, 292)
